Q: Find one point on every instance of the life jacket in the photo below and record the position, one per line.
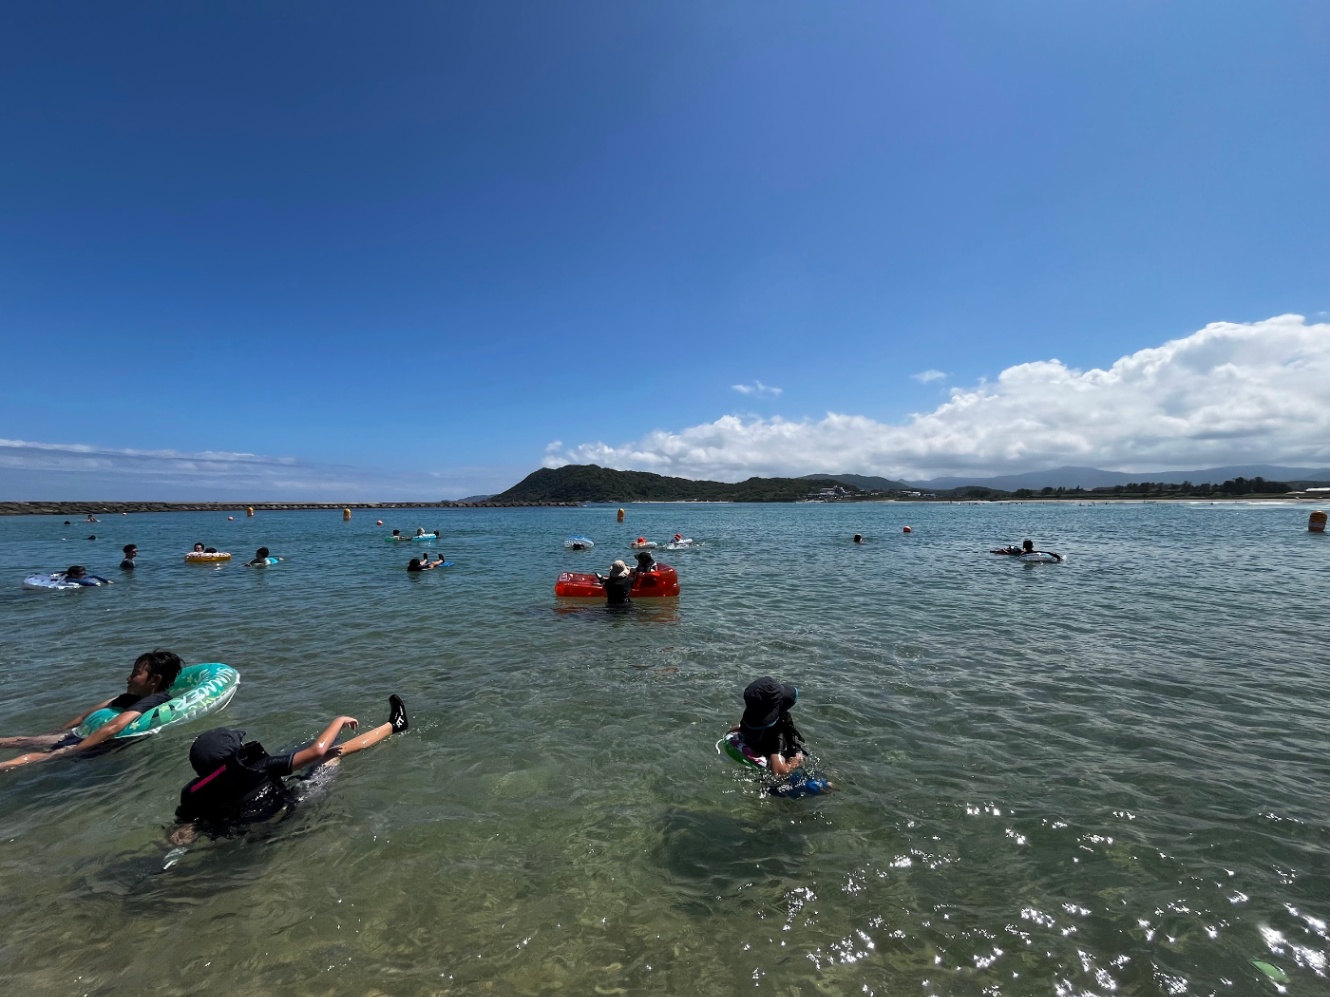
(238, 788)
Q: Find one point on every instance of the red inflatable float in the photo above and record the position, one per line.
(660, 583)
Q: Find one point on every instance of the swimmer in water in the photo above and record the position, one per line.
(768, 737)
(147, 688)
(618, 583)
(239, 782)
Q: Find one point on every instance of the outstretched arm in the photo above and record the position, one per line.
(100, 736)
(323, 745)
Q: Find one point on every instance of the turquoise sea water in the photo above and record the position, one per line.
(1103, 777)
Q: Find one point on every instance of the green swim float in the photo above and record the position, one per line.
(197, 691)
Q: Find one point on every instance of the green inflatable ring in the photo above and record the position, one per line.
(197, 691)
(730, 745)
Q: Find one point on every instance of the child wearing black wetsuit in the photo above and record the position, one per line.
(239, 782)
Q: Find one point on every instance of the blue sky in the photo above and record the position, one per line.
(334, 250)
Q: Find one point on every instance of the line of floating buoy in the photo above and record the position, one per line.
(1316, 522)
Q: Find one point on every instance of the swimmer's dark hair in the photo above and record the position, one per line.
(261, 552)
(210, 550)
(128, 547)
(165, 665)
(75, 571)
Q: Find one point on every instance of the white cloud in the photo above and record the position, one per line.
(1229, 393)
(925, 376)
(78, 471)
(756, 388)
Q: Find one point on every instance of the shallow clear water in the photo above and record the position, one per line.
(1106, 776)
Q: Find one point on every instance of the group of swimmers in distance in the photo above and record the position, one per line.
(237, 782)
(1026, 549)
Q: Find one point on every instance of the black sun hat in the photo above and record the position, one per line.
(212, 748)
(764, 701)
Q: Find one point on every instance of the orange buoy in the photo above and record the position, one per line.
(249, 510)
(346, 514)
(379, 523)
(906, 529)
(621, 515)
(1316, 522)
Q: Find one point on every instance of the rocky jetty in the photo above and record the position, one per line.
(115, 508)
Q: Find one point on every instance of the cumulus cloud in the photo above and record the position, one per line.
(1229, 393)
(756, 388)
(77, 471)
(925, 376)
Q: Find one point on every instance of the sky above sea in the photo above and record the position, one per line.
(339, 252)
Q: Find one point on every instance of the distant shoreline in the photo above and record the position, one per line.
(115, 508)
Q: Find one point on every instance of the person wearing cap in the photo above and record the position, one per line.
(130, 551)
(148, 687)
(239, 782)
(766, 729)
(618, 583)
(645, 562)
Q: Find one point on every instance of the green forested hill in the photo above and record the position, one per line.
(590, 483)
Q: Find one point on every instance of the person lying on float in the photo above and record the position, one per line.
(148, 687)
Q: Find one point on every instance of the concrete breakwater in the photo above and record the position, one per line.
(115, 508)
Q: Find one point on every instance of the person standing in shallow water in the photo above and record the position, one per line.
(618, 583)
(130, 551)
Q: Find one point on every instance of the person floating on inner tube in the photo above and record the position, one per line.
(618, 583)
(1026, 547)
(239, 782)
(768, 737)
(260, 557)
(146, 689)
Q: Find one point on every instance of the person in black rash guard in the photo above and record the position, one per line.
(130, 551)
(645, 563)
(767, 729)
(618, 583)
(239, 783)
(146, 689)
(768, 737)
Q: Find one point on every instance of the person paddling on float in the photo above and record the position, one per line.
(768, 738)
(147, 688)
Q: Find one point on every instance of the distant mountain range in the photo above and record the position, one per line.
(590, 483)
(1087, 477)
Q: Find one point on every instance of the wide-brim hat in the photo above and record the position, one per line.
(765, 700)
(618, 568)
(212, 748)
